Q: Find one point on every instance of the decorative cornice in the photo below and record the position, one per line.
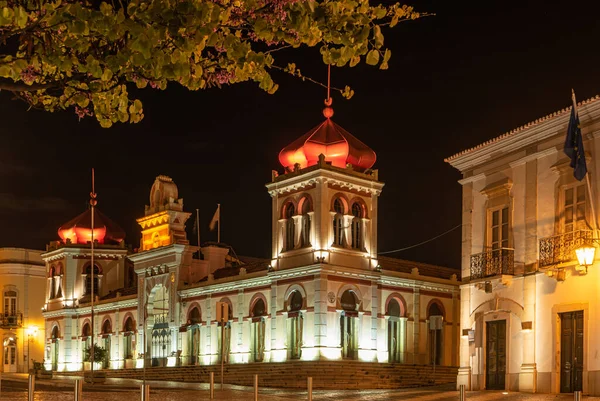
(519, 138)
(533, 156)
(325, 176)
(471, 179)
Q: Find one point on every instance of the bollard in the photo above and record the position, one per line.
(255, 387)
(78, 390)
(309, 387)
(145, 390)
(31, 387)
(212, 385)
(462, 392)
(577, 395)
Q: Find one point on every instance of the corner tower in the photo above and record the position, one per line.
(325, 202)
(164, 220)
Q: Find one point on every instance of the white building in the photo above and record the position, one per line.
(324, 294)
(22, 282)
(529, 312)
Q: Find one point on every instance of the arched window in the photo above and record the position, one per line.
(436, 318)
(194, 316)
(106, 327)
(55, 333)
(305, 236)
(295, 301)
(290, 226)
(86, 339)
(348, 301)
(55, 287)
(357, 232)
(88, 279)
(394, 308)
(259, 308)
(51, 283)
(338, 222)
(128, 331)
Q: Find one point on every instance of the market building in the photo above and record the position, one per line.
(324, 294)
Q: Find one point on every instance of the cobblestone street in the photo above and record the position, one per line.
(14, 389)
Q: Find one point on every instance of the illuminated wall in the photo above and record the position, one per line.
(22, 272)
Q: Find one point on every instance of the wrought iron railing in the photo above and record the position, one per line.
(493, 263)
(11, 320)
(561, 248)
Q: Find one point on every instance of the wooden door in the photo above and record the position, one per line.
(571, 352)
(496, 355)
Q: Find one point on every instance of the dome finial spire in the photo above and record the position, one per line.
(328, 110)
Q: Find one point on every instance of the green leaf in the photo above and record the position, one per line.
(373, 57)
(386, 58)
(5, 71)
(107, 75)
(377, 36)
(20, 17)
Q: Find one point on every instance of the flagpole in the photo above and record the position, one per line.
(198, 229)
(93, 203)
(219, 224)
(587, 176)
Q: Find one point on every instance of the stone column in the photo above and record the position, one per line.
(455, 328)
(528, 373)
(274, 316)
(320, 328)
(464, 370)
(375, 295)
(402, 341)
(416, 325)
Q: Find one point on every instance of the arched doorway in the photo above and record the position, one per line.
(349, 325)
(435, 317)
(396, 331)
(10, 354)
(194, 322)
(106, 339)
(295, 323)
(129, 336)
(225, 336)
(86, 342)
(258, 313)
(55, 338)
(158, 321)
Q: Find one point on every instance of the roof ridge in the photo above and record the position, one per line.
(519, 129)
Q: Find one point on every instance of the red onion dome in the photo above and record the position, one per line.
(79, 229)
(337, 145)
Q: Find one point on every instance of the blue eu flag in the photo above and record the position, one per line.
(574, 146)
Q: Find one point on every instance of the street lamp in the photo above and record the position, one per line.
(585, 255)
(31, 331)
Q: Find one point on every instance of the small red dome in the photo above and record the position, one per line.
(79, 231)
(337, 145)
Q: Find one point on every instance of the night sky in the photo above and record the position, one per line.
(468, 74)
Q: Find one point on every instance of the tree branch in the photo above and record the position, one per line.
(12, 86)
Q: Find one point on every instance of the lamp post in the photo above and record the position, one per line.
(31, 331)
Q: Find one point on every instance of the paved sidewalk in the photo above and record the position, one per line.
(61, 389)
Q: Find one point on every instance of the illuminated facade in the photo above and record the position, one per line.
(323, 294)
(529, 312)
(22, 282)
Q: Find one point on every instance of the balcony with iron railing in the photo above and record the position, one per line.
(494, 262)
(11, 320)
(561, 248)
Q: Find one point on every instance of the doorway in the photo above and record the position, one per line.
(495, 355)
(571, 352)
(10, 355)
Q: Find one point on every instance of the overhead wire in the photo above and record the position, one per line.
(421, 243)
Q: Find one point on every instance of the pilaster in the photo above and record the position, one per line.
(416, 325)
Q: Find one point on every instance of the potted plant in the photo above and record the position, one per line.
(100, 356)
(39, 369)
